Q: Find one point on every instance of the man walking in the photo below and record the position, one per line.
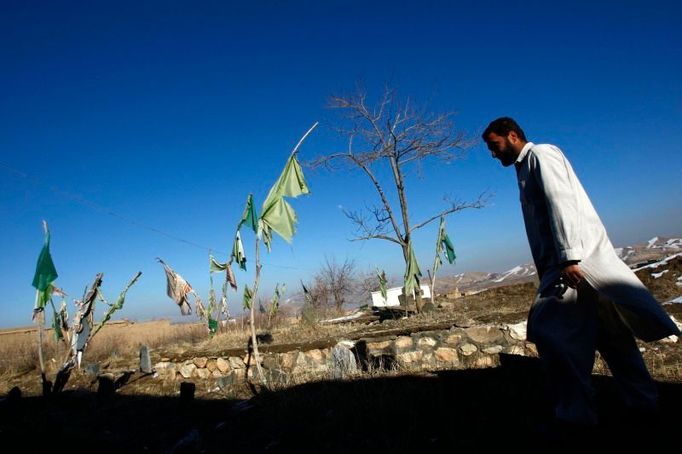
(588, 299)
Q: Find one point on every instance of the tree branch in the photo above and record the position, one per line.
(379, 237)
(456, 206)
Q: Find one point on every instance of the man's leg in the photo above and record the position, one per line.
(617, 346)
(563, 325)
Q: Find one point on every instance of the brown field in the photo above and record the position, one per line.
(388, 411)
(117, 345)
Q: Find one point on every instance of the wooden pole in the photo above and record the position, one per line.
(40, 319)
(254, 340)
(304, 137)
(435, 267)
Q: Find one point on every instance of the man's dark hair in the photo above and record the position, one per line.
(502, 127)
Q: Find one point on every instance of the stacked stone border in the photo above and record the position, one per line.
(457, 347)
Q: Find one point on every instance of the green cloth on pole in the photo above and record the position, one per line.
(277, 215)
(248, 296)
(249, 217)
(57, 322)
(444, 245)
(45, 271)
(43, 297)
(412, 272)
(238, 251)
(214, 266)
(382, 283)
(275, 299)
(449, 249)
(212, 325)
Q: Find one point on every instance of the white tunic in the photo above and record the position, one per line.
(562, 225)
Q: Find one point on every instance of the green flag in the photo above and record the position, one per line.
(43, 297)
(60, 321)
(212, 325)
(238, 251)
(449, 249)
(382, 283)
(45, 270)
(443, 245)
(248, 296)
(412, 272)
(277, 215)
(215, 266)
(444, 242)
(275, 299)
(249, 217)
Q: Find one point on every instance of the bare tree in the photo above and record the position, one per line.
(367, 282)
(393, 133)
(338, 279)
(333, 285)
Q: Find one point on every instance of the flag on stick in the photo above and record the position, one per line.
(412, 272)
(445, 243)
(249, 217)
(177, 288)
(382, 283)
(45, 274)
(277, 215)
(238, 251)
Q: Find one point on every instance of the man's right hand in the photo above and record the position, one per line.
(572, 274)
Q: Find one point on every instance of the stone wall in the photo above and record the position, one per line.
(460, 347)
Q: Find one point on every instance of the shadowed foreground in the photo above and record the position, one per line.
(502, 407)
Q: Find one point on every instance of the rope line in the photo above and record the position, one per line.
(99, 208)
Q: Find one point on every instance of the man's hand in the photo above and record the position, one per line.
(572, 274)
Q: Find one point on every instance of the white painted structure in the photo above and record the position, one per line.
(392, 295)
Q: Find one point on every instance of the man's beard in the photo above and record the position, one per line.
(507, 156)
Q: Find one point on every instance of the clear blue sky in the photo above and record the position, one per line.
(168, 114)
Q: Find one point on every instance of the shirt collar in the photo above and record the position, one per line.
(524, 152)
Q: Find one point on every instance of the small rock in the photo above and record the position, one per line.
(468, 349)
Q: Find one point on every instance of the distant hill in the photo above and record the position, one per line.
(635, 256)
(653, 250)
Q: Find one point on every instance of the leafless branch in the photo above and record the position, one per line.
(377, 237)
(365, 228)
(456, 206)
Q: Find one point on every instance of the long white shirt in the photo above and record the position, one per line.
(562, 225)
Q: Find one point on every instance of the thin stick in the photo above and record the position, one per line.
(40, 345)
(304, 137)
(434, 268)
(254, 341)
(41, 320)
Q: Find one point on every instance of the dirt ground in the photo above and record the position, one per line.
(505, 407)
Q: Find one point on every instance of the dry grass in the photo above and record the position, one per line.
(19, 353)
(117, 345)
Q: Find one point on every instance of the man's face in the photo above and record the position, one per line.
(502, 148)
